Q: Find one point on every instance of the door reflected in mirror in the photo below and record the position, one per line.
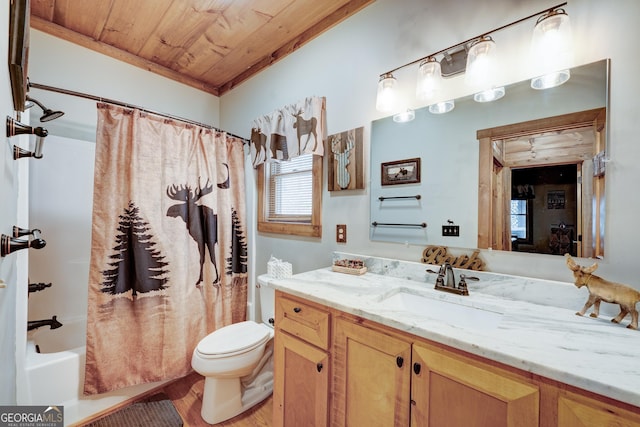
(543, 210)
(537, 181)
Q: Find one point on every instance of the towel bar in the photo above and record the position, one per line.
(390, 224)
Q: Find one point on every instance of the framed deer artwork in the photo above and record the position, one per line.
(346, 167)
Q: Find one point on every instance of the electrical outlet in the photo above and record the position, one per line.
(341, 233)
(451, 230)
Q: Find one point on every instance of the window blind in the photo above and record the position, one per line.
(290, 189)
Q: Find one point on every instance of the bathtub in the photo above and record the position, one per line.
(55, 363)
(54, 373)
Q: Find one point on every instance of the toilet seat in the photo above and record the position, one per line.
(233, 339)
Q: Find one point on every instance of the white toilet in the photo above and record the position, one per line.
(237, 364)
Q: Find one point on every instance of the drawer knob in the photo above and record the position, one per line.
(297, 309)
(319, 367)
(416, 368)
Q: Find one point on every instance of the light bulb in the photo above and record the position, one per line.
(429, 79)
(386, 98)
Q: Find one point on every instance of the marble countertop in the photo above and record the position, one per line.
(525, 323)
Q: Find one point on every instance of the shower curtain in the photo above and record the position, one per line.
(168, 248)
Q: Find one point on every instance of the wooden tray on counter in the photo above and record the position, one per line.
(347, 270)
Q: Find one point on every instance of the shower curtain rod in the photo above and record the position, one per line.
(126, 105)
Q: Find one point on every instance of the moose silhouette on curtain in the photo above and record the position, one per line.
(200, 220)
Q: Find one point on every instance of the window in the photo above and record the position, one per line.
(521, 220)
(290, 196)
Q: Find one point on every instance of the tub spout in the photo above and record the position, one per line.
(52, 323)
(35, 287)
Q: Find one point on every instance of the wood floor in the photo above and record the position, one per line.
(186, 395)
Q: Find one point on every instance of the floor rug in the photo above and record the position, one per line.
(157, 411)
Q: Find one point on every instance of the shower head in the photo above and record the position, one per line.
(48, 114)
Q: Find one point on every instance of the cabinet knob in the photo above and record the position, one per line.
(319, 367)
(297, 309)
(416, 368)
(399, 361)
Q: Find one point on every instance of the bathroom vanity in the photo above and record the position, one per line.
(385, 348)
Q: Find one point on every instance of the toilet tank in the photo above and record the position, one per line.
(267, 301)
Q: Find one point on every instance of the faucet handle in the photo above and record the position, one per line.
(462, 285)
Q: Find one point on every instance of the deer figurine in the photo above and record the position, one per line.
(603, 290)
(305, 127)
(201, 222)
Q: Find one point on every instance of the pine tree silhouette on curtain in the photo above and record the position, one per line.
(138, 266)
(237, 262)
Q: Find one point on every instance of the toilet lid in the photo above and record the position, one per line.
(233, 338)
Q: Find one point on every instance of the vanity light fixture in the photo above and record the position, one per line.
(475, 57)
(551, 49)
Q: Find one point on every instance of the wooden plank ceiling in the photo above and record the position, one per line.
(212, 45)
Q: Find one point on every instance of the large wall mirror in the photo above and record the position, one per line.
(524, 173)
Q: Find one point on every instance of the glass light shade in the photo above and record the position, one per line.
(550, 80)
(489, 95)
(442, 107)
(429, 79)
(387, 96)
(552, 44)
(481, 64)
(405, 116)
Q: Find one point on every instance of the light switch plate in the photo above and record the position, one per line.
(451, 230)
(341, 233)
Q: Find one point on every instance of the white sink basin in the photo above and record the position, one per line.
(448, 312)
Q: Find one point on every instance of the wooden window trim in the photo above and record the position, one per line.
(313, 229)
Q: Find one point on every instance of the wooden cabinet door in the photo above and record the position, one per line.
(371, 377)
(449, 390)
(301, 383)
(578, 411)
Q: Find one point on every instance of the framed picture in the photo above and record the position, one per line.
(400, 172)
(555, 199)
(346, 166)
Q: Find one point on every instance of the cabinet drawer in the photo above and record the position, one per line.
(303, 320)
(579, 411)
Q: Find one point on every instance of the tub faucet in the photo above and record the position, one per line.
(34, 324)
(35, 287)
